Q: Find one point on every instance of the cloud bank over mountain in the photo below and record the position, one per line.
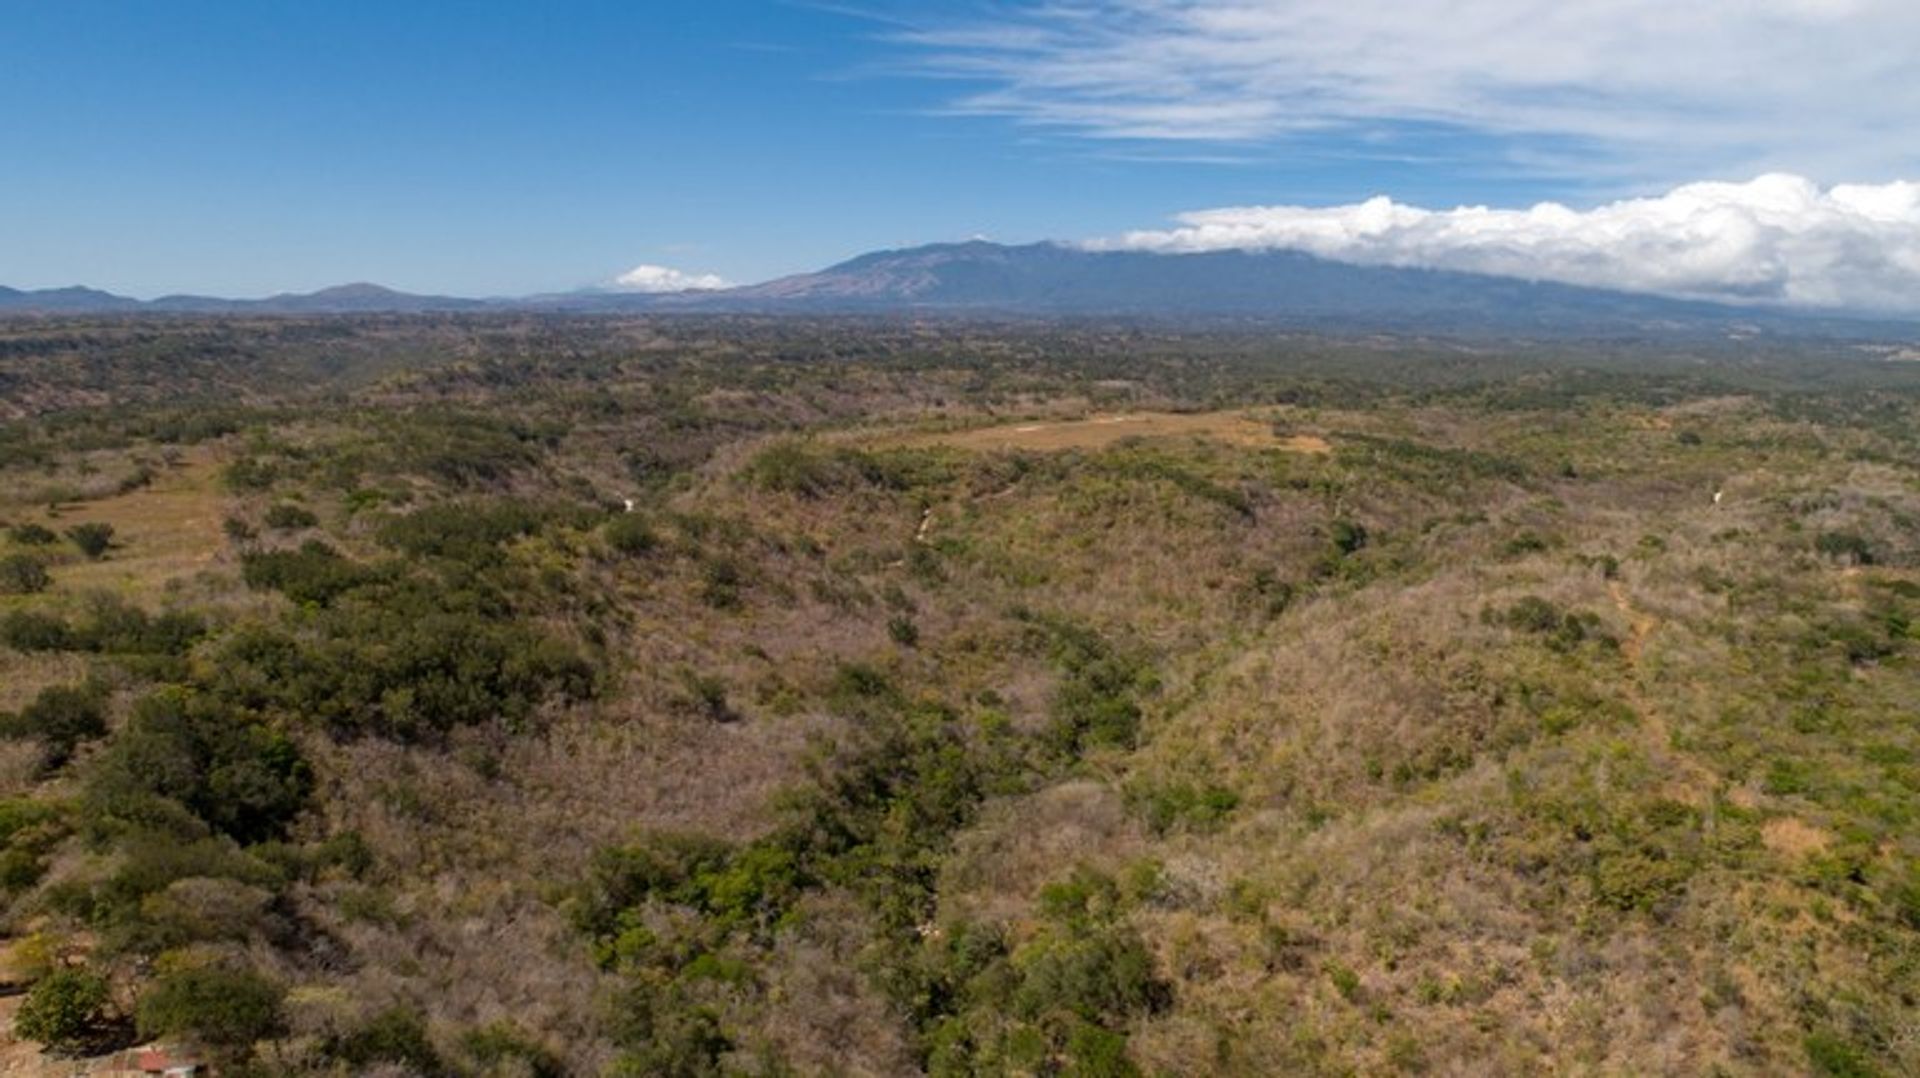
(1777, 239)
(646, 278)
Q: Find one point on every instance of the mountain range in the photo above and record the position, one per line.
(1057, 280)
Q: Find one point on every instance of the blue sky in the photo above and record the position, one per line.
(254, 146)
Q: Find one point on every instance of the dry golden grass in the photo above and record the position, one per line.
(1098, 432)
(1793, 837)
(998, 866)
(167, 531)
(23, 676)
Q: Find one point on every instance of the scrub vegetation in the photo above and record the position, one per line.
(514, 696)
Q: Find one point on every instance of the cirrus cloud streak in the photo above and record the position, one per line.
(1828, 86)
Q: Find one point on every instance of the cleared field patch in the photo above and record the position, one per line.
(167, 530)
(1097, 432)
(1794, 838)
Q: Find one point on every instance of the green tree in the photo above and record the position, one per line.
(221, 1008)
(284, 516)
(61, 717)
(64, 1010)
(31, 534)
(92, 537)
(22, 574)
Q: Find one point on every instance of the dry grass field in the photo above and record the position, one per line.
(1101, 431)
(164, 533)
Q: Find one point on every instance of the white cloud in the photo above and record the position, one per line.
(1828, 86)
(665, 279)
(1778, 238)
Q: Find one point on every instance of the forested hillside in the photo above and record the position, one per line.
(527, 696)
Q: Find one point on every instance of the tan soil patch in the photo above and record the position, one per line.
(1640, 625)
(1098, 432)
(1793, 837)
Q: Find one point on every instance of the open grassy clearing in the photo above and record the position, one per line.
(1100, 431)
(164, 532)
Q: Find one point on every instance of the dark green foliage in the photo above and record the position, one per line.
(20, 869)
(795, 468)
(60, 718)
(502, 1048)
(1639, 879)
(29, 830)
(113, 627)
(883, 808)
(1344, 980)
(1523, 544)
(407, 663)
(1831, 1055)
(1848, 546)
(110, 627)
(665, 1035)
(315, 573)
(811, 470)
(249, 474)
(19, 816)
(749, 886)
(92, 537)
(1347, 536)
(624, 877)
(1103, 975)
(1140, 464)
(396, 1036)
(1269, 593)
(1097, 701)
(1860, 640)
(466, 449)
(31, 534)
(222, 1008)
(473, 532)
(23, 574)
(1094, 1052)
(707, 695)
(65, 1010)
(1067, 995)
(239, 777)
(1561, 630)
(410, 652)
(630, 534)
(1193, 806)
(285, 516)
(1532, 614)
(720, 582)
(122, 907)
(858, 688)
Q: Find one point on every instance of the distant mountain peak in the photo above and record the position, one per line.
(1055, 279)
(356, 290)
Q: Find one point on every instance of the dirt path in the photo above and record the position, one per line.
(1692, 782)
